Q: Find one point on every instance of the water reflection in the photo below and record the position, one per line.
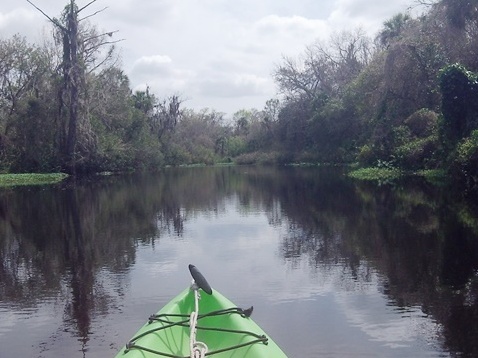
(414, 235)
(75, 244)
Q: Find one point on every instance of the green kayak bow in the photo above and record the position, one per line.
(192, 325)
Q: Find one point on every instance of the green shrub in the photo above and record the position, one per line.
(422, 123)
(465, 163)
(376, 173)
(236, 146)
(467, 149)
(366, 154)
(418, 153)
(459, 88)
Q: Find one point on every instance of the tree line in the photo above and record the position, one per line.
(406, 98)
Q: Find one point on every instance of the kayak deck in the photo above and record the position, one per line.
(225, 329)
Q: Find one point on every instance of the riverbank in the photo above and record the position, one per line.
(388, 174)
(7, 180)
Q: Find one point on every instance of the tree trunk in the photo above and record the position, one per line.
(73, 82)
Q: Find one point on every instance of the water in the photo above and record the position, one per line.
(333, 268)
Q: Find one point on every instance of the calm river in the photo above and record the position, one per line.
(333, 267)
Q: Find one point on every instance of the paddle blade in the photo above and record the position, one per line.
(200, 280)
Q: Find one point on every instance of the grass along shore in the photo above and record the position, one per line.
(30, 179)
(390, 174)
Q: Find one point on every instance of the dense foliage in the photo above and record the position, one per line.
(406, 98)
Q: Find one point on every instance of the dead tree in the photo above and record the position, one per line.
(74, 74)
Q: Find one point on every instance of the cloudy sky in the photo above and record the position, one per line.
(217, 54)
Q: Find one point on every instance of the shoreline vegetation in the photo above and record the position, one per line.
(435, 176)
(396, 105)
(373, 174)
(8, 180)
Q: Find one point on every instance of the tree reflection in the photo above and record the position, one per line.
(423, 240)
(55, 242)
(413, 234)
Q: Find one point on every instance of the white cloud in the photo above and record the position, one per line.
(370, 15)
(15, 21)
(160, 73)
(235, 85)
(217, 52)
(152, 63)
(289, 34)
(142, 14)
(296, 25)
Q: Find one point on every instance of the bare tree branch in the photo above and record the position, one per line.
(95, 47)
(101, 35)
(105, 59)
(54, 21)
(97, 12)
(84, 7)
(426, 2)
